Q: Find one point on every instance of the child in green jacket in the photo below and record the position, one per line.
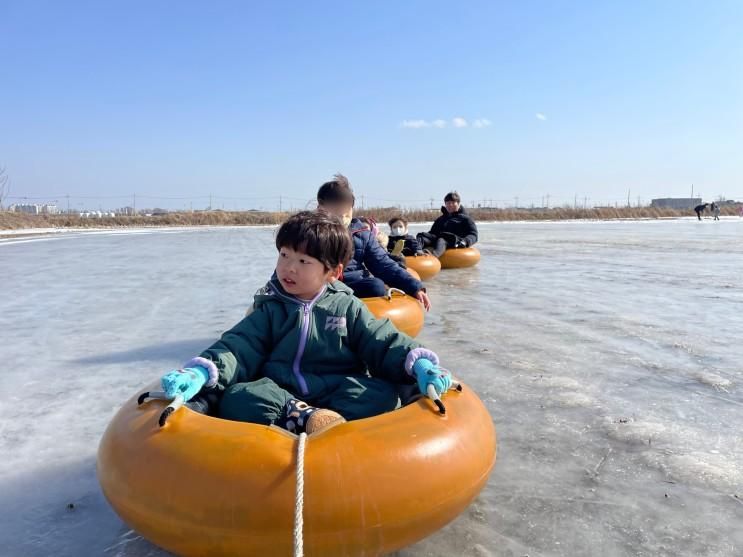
(309, 354)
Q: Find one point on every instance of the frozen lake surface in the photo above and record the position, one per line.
(609, 354)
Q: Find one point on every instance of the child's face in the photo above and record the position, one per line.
(343, 211)
(398, 228)
(302, 275)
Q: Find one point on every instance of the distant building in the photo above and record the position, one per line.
(34, 209)
(676, 202)
(26, 208)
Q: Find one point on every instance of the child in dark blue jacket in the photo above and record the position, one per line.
(370, 267)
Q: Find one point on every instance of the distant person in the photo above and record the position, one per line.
(371, 267)
(453, 229)
(715, 208)
(699, 209)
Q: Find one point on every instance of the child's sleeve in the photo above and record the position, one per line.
(413, 244)
(379, 344)
(382, 266)
(241, 352)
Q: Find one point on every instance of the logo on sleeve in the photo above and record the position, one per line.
(333, 323)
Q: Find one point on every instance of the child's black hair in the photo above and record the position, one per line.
(337, 190)
(399, 218)
(452, 196)
(319, 235)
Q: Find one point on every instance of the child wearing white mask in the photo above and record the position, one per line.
(399, 231)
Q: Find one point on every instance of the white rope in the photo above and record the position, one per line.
(299, 499)
(391, 292)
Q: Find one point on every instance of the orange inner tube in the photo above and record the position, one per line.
(207, 487)
(427, 266)
(460, 258)
(405, 312)
(413, 273)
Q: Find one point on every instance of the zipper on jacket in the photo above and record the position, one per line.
(303, 338)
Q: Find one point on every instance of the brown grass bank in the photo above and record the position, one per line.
(11, 221)
(542, 214)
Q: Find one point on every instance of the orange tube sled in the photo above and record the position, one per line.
(405, 312)
(206, 487)
(413, 273)
(460, 258)
(427, 266)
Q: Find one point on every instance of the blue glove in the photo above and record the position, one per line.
(428, 373)
(185, 382)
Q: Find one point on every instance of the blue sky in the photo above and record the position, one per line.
(249, 101)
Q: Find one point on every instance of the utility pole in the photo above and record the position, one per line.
(638, 200)
(68, 203)
(210, 201)
(432, 203)
(692, 191)
(575, 202)
(548, 201)
(628, 204)
(585, 202)
(516, 202)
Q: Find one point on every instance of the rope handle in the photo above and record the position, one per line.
(434, 396)
(175, 403)
(392, 291)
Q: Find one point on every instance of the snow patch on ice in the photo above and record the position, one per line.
(712, 469)
(634, 432)
(676, 450)
(713, 380)
(575, 400)
(559, 383)
(565, 391)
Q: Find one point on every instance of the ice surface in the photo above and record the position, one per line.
(609, 354)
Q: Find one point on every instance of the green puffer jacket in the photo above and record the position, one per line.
(294, 343)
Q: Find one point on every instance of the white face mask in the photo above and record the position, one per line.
(346, 220)
(398, 230)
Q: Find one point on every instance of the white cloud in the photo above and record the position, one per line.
(540, 116)
(440, 123)
(415, 124)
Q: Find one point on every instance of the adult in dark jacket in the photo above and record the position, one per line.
(453, 229)
(699, 209)
(370, 267)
